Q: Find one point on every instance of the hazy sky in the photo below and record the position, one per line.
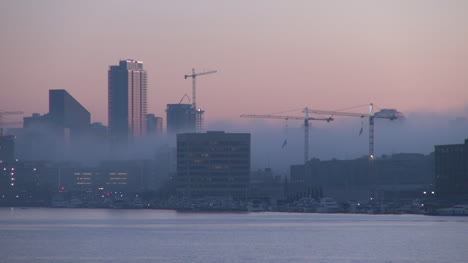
(271, 55)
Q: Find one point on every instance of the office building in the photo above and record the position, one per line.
(402, 176)
(7, 148)
(54, 135)
(154, 125)
(213, 164)
(126, 176)
(67, 113)
(451, 170)
(127, 99)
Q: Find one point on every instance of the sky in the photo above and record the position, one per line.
(271, 56)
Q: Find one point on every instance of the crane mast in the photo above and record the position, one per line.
(383, 114)
(371, 131)
(306, 120)
(371, 115)
(306, 134)
(194, 84)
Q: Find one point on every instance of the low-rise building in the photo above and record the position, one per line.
(213, 164)
(451, 170)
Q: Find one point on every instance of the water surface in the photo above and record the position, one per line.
(111, 235)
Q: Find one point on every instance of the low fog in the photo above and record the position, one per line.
(417, 132)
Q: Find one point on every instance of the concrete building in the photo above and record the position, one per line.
(397, 177)
(127, 110)
(67, 113)
(266, 186)
(7, 148)
(451, 170)
(213, 164)
(154, 125)
(125, 176)
(54, 135)
(181, 118)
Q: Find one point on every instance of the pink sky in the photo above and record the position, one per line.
(271, 55)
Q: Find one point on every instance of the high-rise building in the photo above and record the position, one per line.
(154, 125)
(181, 118)
(66, 112)
(54, 135)
(451, 170)
(127, 99)
(213, 164)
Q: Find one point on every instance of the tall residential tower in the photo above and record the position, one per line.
(127, 99)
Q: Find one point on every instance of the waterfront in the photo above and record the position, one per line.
(112, 235)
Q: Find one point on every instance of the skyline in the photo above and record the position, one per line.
(325, 55)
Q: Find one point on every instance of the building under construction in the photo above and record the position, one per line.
(183, 118)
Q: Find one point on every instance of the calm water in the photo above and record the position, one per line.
(101, 235)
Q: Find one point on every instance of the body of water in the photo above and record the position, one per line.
(112, 235)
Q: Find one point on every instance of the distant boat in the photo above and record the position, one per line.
(138, 203)
(60, 204)
(256, 206)
(328, 205)
(75, 202)
(120, 203)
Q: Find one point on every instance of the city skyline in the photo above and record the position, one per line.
(324, 55)
(332, 131)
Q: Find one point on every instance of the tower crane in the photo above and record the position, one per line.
(194, 84)
(306, 120)
(390, 114)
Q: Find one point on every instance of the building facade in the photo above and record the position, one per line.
(127, 87)
(67, 113)
(451, 170)
(7, 148)
(180, 118)
(213, 164)
(154, 125)
(401, 176)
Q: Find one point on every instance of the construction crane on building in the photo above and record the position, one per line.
(306, 120)
(390, 114)
(194, 84)
(2, 123)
